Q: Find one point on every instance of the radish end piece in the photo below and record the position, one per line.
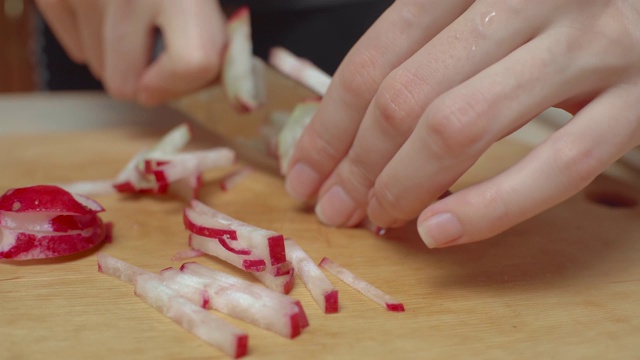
(397, 307)
(331, 302)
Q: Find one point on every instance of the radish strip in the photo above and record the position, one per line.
(119, 269)
(292, 130)
(226, 279)
(212, 247)
(361, 285)
(187, 254)
(211, 329)
(242, 302)
(321, 289)
(242, 73)
(90, 187)
(300, 70)
(232, 179)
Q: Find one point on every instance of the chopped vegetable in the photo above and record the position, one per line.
(321, 289)
(361, 285)
(292, 130)
(300, 70)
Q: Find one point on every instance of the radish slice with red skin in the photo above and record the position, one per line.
(321, 289)
(299, 69)
(242, 302)
(209, 328)
(47, 198)
(226, 279)
(292, 130)
(203, 220)
(25, 245)
(282, 283)
(169, 168)
(242, 73)
(361, 285)
(212, 247)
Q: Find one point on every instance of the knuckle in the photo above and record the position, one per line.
(397, 103)
(357, 77)
(457, 126)
(317, 150)
(577, 164)
(389, 200)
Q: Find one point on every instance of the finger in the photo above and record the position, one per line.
(405, 94)
(90, 20)
(128, 38)
(403, 29)
(194, 36)
(63, 23)
(462, 123)
(557, 169)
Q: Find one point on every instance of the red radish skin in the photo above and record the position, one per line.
(47, 198)
(361, 285)
(214, 248)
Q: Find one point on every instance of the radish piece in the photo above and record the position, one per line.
(90, 187)
(26, 245)
(300, 70)
(242, 73)
(321, 289)
(213, 248)
(47, 222)
(282, 283)
(242, 302)
(119, 269)
(202, 220)
(172, 141)
(47, 198)
(169, 168)
(292, 130)
(223, 278)
(187, 188)
(361, 285)
(211, 329)
(187, 254)
(230, 180)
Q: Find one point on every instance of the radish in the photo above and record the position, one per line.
(300, 70)
(292, 130)
(213, 247)
(150, 288)
(47, 198)
(242, 73)
(232, 179)
(361, 285)
(321, 289)
(211, 329)
(187, 254)
(243, 302)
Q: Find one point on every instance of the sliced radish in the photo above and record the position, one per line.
(300, 70)
(169, 168)
(119, 269)
(90, 187)
(292, 130)
(214, 248)
(281, 282)
(242, 302)
(50, 223)
(321, 289)
(361, 285)
(235, 235)
(27, 245)
(223, 278)
(211, 329)
(187, 254)
(235, 177)
(47, 198)
(172, 141)
(242, 73)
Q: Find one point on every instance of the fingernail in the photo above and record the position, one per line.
(301, 181)
(335, 208)
(440, 229)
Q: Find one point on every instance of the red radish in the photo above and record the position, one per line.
(47, 198)
(361, 285)
(171, 167)
(187, 254)
(242, 73)
(232, 179)
(223, 278)
(214, 248)
(211, 329)
(321, 289)
(119, 269)
(27, 245)
(235, 235)
(300, 70)
(292, 130)
(243, 302)
(194, 319)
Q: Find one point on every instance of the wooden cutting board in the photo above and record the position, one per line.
(565, 284)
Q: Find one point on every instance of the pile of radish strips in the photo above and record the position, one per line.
(184, 295)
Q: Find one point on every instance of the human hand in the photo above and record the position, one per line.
(433, 84)
(115, 39)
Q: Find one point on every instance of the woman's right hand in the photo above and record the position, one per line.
(115, 39)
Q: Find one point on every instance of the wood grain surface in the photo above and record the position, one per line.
(563, 285)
